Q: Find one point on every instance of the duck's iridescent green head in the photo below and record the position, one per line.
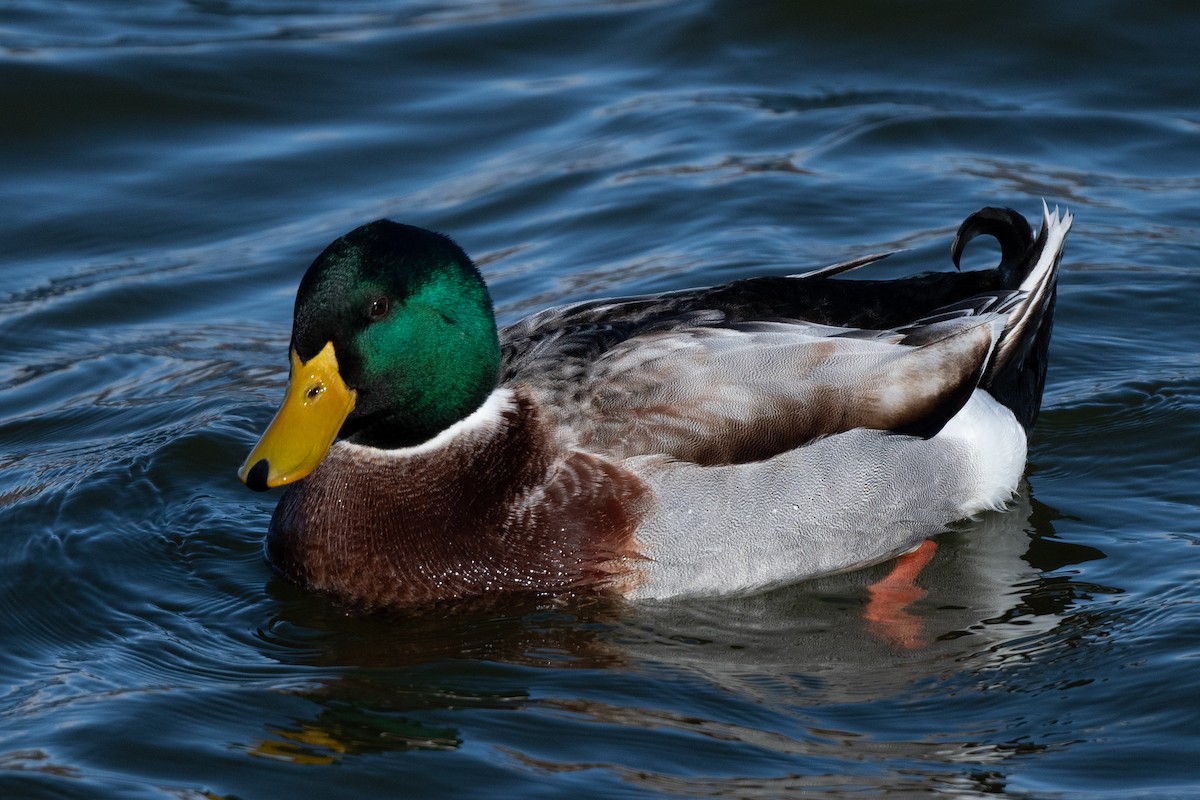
(393, 341)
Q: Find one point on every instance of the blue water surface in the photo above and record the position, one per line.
(168, 170)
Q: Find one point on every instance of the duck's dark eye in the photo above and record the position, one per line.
(380, 306)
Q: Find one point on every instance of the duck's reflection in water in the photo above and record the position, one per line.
(808, 651)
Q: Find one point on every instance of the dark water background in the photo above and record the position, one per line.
(167, 171)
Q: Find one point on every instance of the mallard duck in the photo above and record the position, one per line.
(701, 441)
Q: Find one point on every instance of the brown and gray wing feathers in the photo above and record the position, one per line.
(731, 395)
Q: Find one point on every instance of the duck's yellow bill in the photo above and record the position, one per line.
(315, 405)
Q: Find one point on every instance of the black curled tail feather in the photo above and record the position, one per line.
(1016, 376)
(1006, 226)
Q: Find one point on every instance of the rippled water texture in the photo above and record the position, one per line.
(170, 168)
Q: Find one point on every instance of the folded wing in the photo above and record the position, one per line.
(747, 392)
